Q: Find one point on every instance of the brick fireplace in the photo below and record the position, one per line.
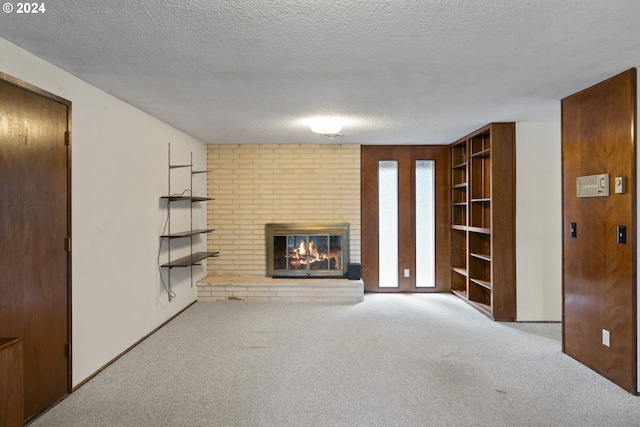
(254, 185)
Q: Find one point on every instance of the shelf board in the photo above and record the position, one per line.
(459, 204)
(179, 166)
(197, 172)
(459, 270)
(460, 185)
(482, 154)
(480, 230)
(190, 260)
(482, 307)
(188, 233)
(481, 200)
(461, 294)
(460, 166)
(481, 256)
(181, 198)
(479, 282)
(459, 227)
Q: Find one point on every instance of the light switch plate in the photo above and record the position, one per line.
(621, 230)
(406, 272)
(606, 338)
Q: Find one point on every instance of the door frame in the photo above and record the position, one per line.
(405, 155)
(5, 78)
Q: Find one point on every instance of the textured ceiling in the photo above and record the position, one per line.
(400, 72)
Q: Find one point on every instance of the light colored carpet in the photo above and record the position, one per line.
(392, 360)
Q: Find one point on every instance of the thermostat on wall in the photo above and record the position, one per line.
(592, 185)
(620, 186)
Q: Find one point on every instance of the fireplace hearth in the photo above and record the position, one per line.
(307, 250)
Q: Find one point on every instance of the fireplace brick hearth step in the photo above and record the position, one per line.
(253, 288)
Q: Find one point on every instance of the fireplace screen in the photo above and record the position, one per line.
(307, 250)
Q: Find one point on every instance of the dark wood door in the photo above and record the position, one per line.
(406, 156)
(34, 221)
(599, 273)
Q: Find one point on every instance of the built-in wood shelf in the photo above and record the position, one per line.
(461, 294)
(461, 271)
(482, 283)
(484, 308)
(483, 154)
(482, 256)
(479, 230)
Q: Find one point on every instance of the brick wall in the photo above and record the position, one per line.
(276, 183)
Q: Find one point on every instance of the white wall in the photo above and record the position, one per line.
(119, 171)
(538, 222)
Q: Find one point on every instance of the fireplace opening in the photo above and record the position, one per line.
(307, 250)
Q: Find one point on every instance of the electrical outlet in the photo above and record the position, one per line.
(406, 272)
(606, 338)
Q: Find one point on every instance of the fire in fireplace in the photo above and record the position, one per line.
(307, 250)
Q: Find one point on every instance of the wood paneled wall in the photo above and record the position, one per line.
(599, 274)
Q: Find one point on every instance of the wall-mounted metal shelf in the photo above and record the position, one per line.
(194, 258)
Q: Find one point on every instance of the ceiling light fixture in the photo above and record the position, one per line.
(328, 127)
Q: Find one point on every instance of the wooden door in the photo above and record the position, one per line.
(406, 157)
(599, 273)
(34, 222)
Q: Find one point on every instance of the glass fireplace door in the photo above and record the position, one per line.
(298, 250)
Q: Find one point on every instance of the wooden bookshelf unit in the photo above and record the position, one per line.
(483, 220)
